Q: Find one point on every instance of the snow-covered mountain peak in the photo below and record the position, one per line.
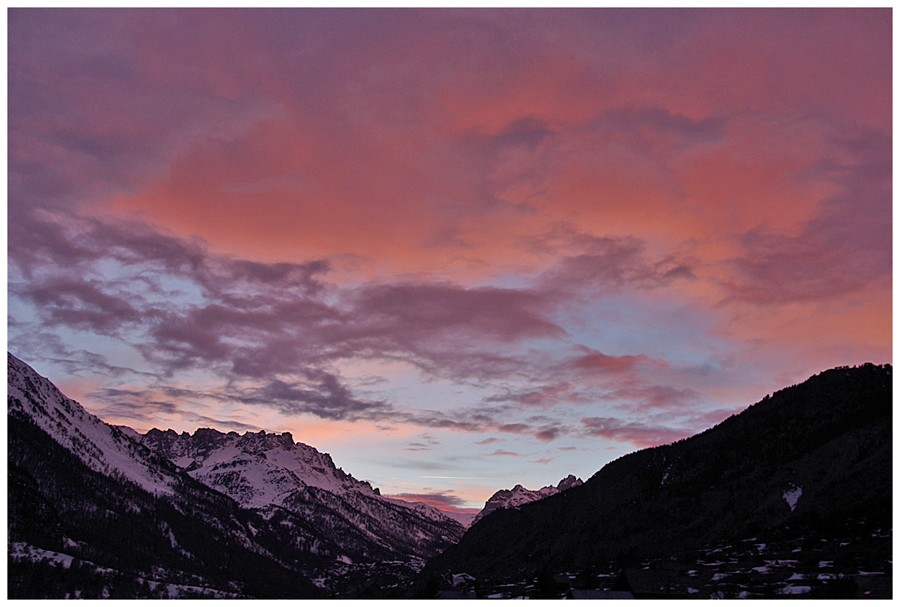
(519, 496)
(257, 469)
(271, 472)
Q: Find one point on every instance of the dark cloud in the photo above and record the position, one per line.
(592, 361)
(446, 237)
(140, 412)
(588, 262)
(416, 312)
(66, 240)
(547, 434)
(515, 428)
(132, 242)
(179, 341)
(616, 262)
(660, 127)
(503, 453)
(468, 362)
(275, 331)
(322, 394)
(639, 434)
(106, 393)
(844, 247)
(526, 131)
(416, 446)
(421, 464)
(543, 428)
(136, 406)
(213, 422)
(439, 420)
(74, 362)
(41, 239)
(445, 501)
(80, 304)
(649, 397)
(543, 396)
(441, 499)
(252, 322)
(200, 309)
(426, 442)
(708, 419)
(270, 318)
(489, 440)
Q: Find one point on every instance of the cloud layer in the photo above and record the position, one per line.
(544, 228)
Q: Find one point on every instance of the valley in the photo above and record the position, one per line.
(790, 498)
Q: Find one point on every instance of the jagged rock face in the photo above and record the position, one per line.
(519, 496)
(271, 472)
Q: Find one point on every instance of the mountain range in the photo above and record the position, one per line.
(98, 511)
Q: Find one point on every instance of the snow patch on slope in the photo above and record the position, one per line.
(792, 496)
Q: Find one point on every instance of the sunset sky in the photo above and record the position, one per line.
(456, 249)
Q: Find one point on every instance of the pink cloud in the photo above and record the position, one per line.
(496, 176)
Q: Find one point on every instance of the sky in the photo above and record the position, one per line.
(457, 249)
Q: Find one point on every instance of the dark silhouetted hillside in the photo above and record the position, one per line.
(809, 459)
